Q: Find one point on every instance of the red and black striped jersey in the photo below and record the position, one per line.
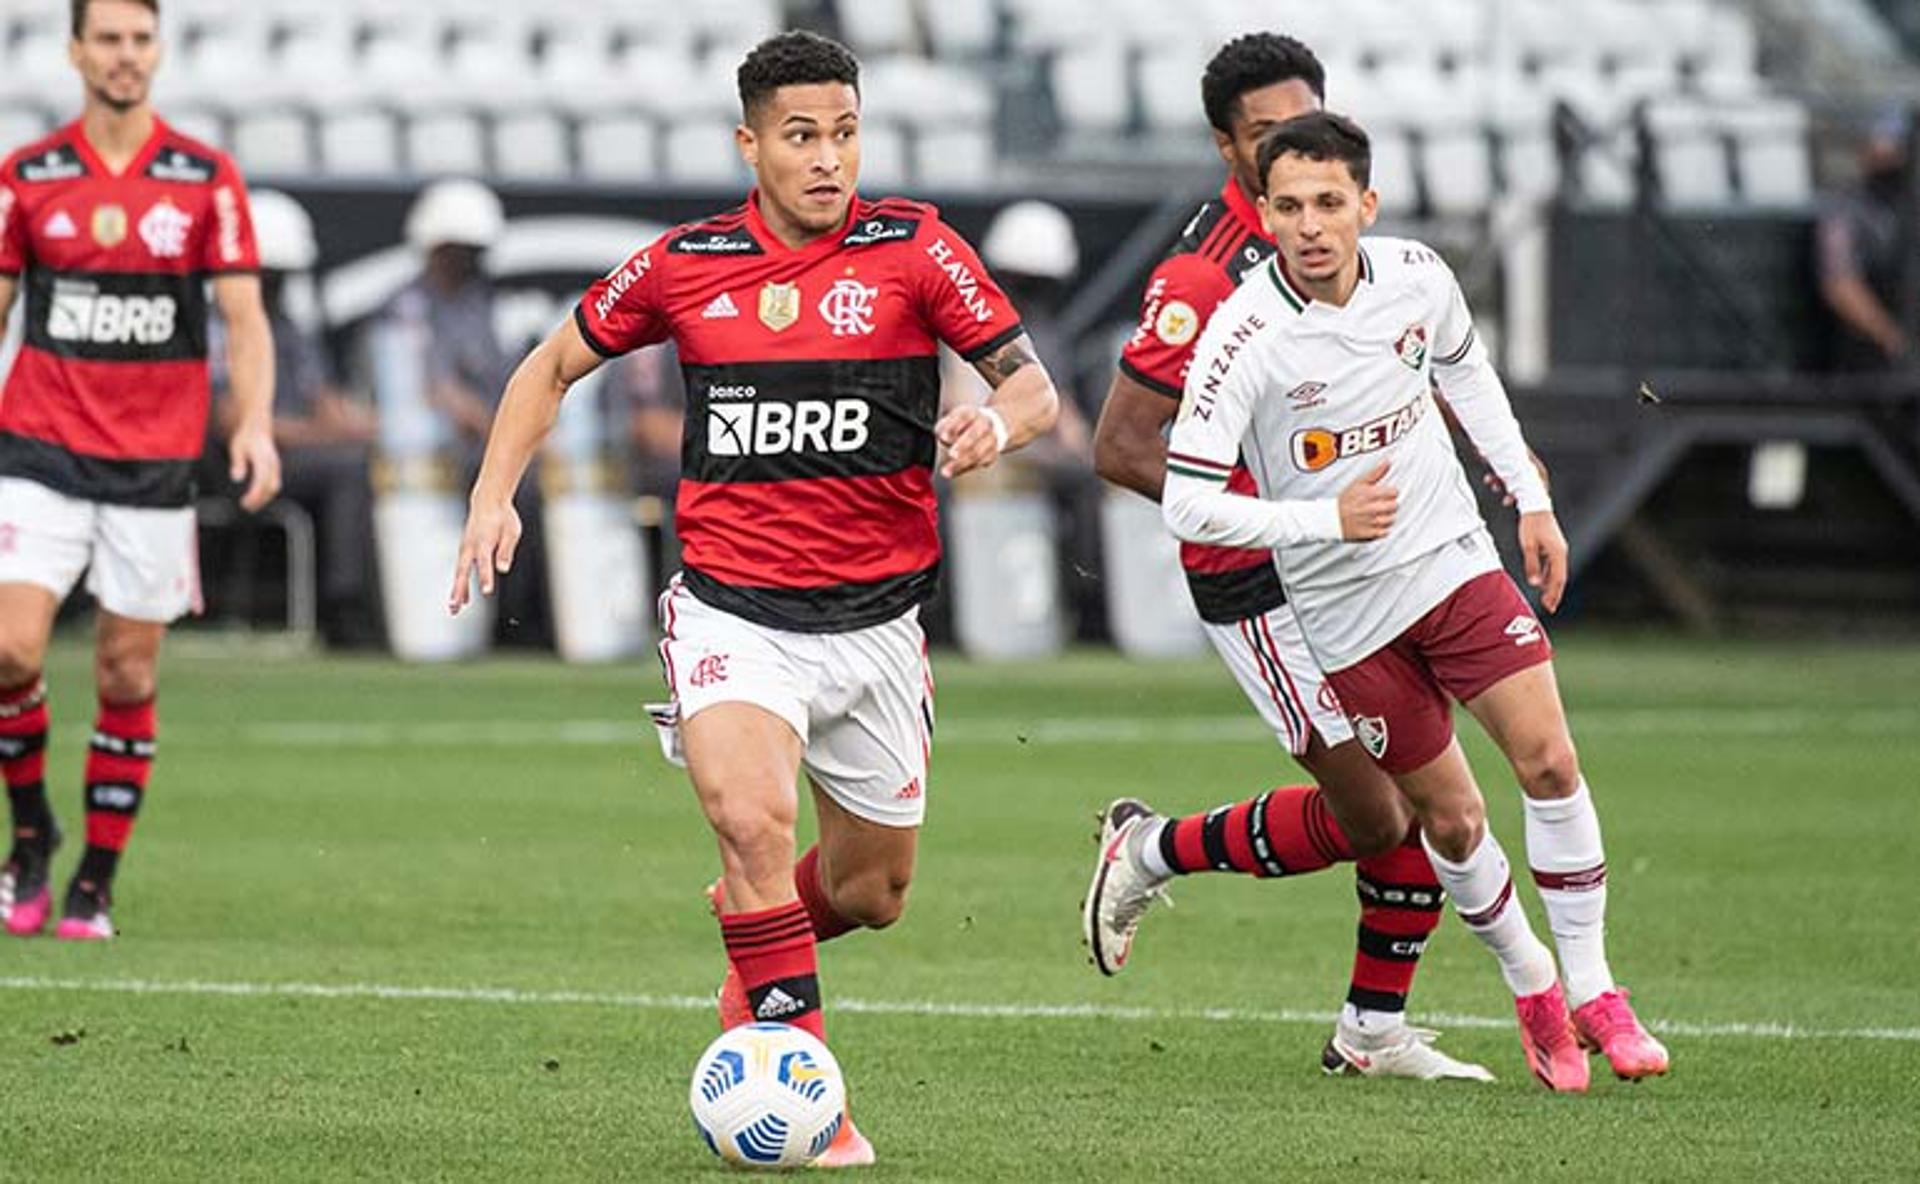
(1202, 268)
(108, 397)
(806, 470)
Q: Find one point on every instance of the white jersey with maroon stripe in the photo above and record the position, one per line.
(1314, 396)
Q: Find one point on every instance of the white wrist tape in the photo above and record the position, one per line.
(999, 425)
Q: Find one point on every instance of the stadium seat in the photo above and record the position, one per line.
(701, 151)
(915, 91)
(22, 125)
(1606, 170)
(1458, 167)
(1394, 173)
(531, 146)
(619, 148)
(1170, 88)
(359, 142)
(1690, 155)
(273, 143)
(1043, 26)
(446, 143)
(878, 26)
(955, 158)
(202, 123)
(883, 157)
(1529, 164)
(1090, 87)
(1771, 145)
(960, 29)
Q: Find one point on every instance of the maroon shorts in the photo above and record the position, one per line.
(1397, 696)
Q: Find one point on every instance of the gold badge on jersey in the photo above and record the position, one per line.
(109, 225)
(779, 305)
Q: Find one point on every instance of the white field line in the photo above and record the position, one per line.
(1764, 1030)
(1011, 730)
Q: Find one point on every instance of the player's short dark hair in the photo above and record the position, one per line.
(1319, 135)
(80, 13)
(1251, 62)
(793, 59)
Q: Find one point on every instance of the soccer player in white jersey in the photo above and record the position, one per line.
(1320, 364)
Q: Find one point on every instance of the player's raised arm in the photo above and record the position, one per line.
(1478, 400)
(1023, 406)
(527, 413)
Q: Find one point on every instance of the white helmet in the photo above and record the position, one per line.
(1032, 238)
(284, 231)
(457, 211)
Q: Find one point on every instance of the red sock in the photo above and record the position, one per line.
(23, 757)
(1283, 832)
(773, 953)
(827, 924)
(118, 763)
(1400, 904)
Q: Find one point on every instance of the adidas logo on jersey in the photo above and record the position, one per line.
(61, 226)
(721, 307)
(776, 1004)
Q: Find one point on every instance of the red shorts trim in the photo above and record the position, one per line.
(1398, 696)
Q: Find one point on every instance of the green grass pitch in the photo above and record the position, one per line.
(385, 922)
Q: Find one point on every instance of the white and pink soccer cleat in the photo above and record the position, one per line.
(849, 1149)
(1607, 1025)
(84, 916)
(25, 918)
(1553, 1051)
(25, 899)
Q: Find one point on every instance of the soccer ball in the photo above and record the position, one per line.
(767, 1096)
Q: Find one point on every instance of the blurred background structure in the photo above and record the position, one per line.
(1690, 229)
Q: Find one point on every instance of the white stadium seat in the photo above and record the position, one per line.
(878, 26)
(955, 158)
(531, 146)
(22, 125)
(1394, 174)
(883, 157)
(202, 123)
(1771, 145)
(1690, 155)
(1529, 163)
(1090, 87)
(1606, 170)
(1458, 167)
(1170, 88)
(960, 28)
(701, 151)
(274, 143)
(359, 142)
(619, 148)
(446, 143)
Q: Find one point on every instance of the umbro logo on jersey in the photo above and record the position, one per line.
(1524, 630)
(720, 308)
(61, 225)
(1307, 394)
(776, 1004)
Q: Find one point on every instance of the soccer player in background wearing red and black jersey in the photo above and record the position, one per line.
(808, 322)
(1355, 813)
(113, 225)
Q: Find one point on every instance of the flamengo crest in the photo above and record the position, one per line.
(848, 307)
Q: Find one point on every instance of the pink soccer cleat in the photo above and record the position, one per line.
(26, 918)
(849, 1149)
(25, 899)
(735, 1009)
(84, 916)
(1553, 1051)
(1607, 1025)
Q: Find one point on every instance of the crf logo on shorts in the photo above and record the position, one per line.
(773, 428)
(1524, 630)
(708, 670)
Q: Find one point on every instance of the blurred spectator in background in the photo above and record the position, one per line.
(1031, 249)
(646, 403)
(325, 435)
(452, 225)
(1861, 247)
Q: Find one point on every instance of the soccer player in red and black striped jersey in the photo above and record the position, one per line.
(1355, 813)
(115, 225)
(808, 321)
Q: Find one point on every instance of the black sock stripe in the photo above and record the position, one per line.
(1169, 849)
(797, 996)
(12, 748)
(1213, 838)
(1260, 840)
(133, 746)
(1368, 1000)
(1419, 898)
(1391, 947)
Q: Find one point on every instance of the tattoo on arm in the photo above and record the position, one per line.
(1002, 363)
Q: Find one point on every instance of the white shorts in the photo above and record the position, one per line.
(860, 701)
(1269, 659)
(141, 563)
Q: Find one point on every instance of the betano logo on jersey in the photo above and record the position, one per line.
(742, 426)
(81, 312)
(1316, 448)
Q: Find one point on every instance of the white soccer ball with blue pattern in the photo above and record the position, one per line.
(767, 1096)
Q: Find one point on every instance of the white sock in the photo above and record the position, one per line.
(1369, 1022)
(1482, 892)
(1570, 869)
(1146, 848)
